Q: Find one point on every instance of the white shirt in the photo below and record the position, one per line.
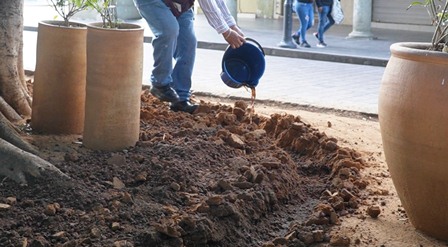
(217, 14)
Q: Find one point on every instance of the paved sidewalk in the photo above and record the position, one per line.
(340, 76)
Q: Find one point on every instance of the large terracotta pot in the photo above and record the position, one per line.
(413, 116)
(114, 84)
(59, 78)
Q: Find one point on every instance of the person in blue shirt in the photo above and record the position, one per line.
(325, 20)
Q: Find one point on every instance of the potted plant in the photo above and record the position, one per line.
(437, 11)
(413, 116)
(114, 81)
(59, 80)
(67, 9)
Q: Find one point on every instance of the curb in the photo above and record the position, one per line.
(329, 57)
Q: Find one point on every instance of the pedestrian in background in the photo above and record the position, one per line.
(171, 22)
(325, 20)
(305, 11)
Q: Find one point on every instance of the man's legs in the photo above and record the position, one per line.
(184, 55)
(165, 28)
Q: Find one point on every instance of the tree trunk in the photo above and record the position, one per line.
(12, 80)
(9, 134)
(14, 163)
(17, 157)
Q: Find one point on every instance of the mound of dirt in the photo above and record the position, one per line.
(223, 176)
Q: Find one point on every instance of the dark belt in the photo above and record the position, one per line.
(178, 7)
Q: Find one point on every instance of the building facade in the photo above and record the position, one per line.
(384, 13)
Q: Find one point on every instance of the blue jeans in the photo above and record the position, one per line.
(173, 38)
(306, 16)
(325, 22)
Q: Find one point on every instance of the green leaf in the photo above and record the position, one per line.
(416, 3)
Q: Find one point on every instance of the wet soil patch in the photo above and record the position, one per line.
(223, 176)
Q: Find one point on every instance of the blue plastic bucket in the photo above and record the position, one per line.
(244, 65)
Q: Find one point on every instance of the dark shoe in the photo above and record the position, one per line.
(296, 38)
(165, 93)
(321, 45)
(305, 44)
(184, 106)
(316, 35)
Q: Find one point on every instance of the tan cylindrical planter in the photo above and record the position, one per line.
(59, 79)
(413, 116)
(114, 84)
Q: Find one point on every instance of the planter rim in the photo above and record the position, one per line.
(59, 24)
(418, 51)
(122, 27)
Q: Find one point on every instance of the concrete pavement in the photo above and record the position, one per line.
(345, 76)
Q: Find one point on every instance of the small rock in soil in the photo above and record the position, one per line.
(4, 207)
(374, 211)
(339, 240)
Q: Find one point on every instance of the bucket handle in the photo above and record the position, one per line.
(258, 44)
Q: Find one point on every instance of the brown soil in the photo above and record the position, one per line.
(282, 176)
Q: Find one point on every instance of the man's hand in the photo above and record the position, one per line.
(234, 37)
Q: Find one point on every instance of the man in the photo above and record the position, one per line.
(171, 22)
